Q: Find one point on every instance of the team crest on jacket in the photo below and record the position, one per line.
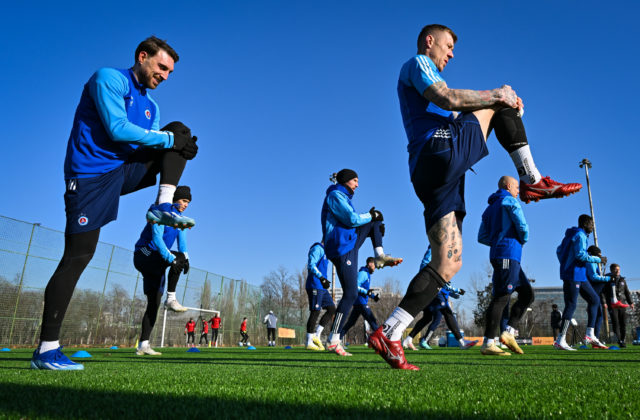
(147, 114)
(83, 220)
(348, 262)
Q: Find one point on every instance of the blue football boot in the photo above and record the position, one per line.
(166, 214)
(53, 360)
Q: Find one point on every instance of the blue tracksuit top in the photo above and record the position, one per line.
(420, 117)
(115, 116)
(364, 283)
(573, 257)
(316, 266)
(161, 238)
(339, 220)
(594, 275)
(503, 227)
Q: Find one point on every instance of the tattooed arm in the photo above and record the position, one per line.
(470, 100)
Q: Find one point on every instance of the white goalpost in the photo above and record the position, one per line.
(164, 321)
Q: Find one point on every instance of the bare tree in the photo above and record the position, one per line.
(205, 295)
(278, 292)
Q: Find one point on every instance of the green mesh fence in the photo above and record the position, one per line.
(108, 302)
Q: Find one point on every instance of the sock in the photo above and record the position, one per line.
(563, 330)
(165, 193)
(527, 170)
(171, 296)
(488, 342)
(378, 251)
(511, 330)
(590, 332)
(143, 343)
(407, 340)
(319, 330)
(395, 325)
(462, 343)
(428, 337)
(333, 338)
(46, 346)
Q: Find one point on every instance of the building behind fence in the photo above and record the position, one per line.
(108, 302)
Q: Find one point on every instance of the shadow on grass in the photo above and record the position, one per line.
(34, 401)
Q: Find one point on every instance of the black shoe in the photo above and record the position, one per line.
(623, 345)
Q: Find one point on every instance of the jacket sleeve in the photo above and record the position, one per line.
(516, 215)
(593, 275)
(362, 279)
(340, 208)
(315, 255)
(107, 88)
(580, 250)
(484, 236)
(156, 237)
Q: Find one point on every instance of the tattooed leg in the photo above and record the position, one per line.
(446, 246)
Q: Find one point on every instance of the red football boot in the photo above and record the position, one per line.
(546, 188)
(391, 351)
(619, 305)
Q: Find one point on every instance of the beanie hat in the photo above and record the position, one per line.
(346, 175)
(182, 192)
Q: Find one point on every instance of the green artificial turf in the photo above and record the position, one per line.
(296, 383)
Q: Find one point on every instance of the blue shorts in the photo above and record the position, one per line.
(91, 203)
(319, 299)
(507, 276)
(153, 269)
(438, 178)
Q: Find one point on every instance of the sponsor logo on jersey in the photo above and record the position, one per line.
(510, 286)
(147, 114)
(348, 262)
(83, 220)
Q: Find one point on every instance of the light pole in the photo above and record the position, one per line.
(586, 164)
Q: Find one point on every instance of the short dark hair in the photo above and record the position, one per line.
(584, 218)
(554, 306)
(614, 265)
(593, 250)
(429, 30)
(370, 259)
(154, 44)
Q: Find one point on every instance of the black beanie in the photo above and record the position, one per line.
(182, 192)
(346, 175)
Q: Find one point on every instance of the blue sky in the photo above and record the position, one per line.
(281, 94)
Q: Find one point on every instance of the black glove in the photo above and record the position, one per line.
(462, 292)
(376, 297)
(603, 260)
(179, 262)
(325, 283)
(376, 216)
(185, 270)
(382, 229)
(190, 149)
(181, 134)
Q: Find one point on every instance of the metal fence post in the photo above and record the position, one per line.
(106, 278)
(24, 268)
(133, 301)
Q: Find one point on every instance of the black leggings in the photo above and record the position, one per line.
(204, 337)
(324, 321)
(214, 335)
(150, 315)
(78, 251)
(245, 337)
(271, 334)
(619, 322)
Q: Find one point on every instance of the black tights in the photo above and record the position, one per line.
(78, 251)
(324, 321)
(150, 315)
(497, 305)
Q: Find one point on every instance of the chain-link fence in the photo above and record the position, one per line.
(108, 302)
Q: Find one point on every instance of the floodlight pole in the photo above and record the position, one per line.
(586, 163)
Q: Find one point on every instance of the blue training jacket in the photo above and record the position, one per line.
(339, 220)
(594, 275)
(573, 257)
(115, 116)
(316, 266)
(161, 238)
(503, 227)
(364, 284)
